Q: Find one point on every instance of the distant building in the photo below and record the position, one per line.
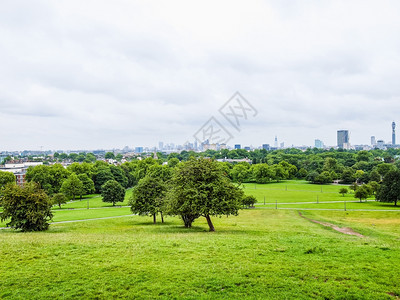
(139, 150)
(160, 146)
(266, 147)
(380, 144)
(237, 146)
(247, 148)
(373, 141)
(235, 160)
(282, 145)
(19, 170)
(276, 142)
(393, 133)
(343, 139)
(318, 144)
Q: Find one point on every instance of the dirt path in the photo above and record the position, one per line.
(345, 230)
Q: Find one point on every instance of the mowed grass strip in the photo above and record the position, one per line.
(260, 254)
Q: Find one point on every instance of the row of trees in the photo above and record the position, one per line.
(197, 188)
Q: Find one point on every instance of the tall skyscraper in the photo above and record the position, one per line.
(393, 133)
(276, 142)
(373, 141)
(343, 139)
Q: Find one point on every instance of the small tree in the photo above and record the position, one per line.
(59, 199)
(362, 192)
(72, 186)
(27, 207)
(249, 201)
(112, 192)
(343, 191)
(148, 197)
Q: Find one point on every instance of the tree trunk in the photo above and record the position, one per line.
(210, 224)
(154, 218)
(59, 204)
(162, 217)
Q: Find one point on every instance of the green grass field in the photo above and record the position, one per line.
(263, 253)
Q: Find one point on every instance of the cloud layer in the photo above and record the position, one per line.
(97, 74)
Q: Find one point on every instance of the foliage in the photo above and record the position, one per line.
(390, 188)
(112, 192)
(5, 178)
(343, 191)
(263, 173)
(241, 172)
(27, 207)
(200, 188)
(249, 201)
(148, 197)
(88, 184)
(102, 175)
(109, 155)
(119, 175)
(72, 186)
(362, 192)
(173, 162)
(59, 199)
(50, 178)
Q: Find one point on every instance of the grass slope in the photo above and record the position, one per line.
(260, 254)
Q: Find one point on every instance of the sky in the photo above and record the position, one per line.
(108, 74)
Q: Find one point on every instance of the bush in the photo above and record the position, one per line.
(249, 201)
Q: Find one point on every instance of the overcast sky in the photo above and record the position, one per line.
(106, 74)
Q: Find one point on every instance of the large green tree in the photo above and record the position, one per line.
(148, 197)
(390, 188)
(112, 192)
(27, 208)
(199, 187)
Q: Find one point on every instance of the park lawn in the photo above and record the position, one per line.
(354, 204)
(293, 191)
(260, 254)
(369, 222)
(82, 214)
(94, 201)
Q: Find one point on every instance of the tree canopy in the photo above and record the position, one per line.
(390, 188)
(199, 187)
(148, 197)
(112, 192)
(27, 208)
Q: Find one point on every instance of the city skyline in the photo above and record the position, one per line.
(105, 75)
